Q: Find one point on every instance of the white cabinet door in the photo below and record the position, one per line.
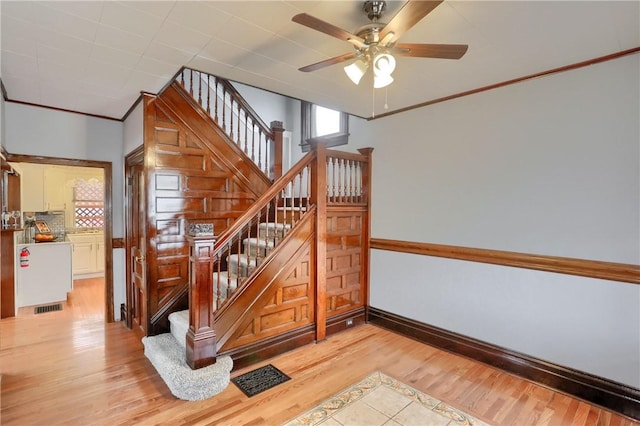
(55, 187)
(83, 258)
(31, 187)
(99, 253)
(88, 253)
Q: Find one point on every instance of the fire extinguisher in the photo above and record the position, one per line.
(24, 258)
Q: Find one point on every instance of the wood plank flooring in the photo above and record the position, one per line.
(69, 367)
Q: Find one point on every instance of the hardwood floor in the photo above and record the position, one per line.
(69, 367)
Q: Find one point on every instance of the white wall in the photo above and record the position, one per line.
(274, 107)
(2, 121)
(33, 130)
(133, 132)
(549, 166)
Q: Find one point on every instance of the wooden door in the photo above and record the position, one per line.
(137, 293)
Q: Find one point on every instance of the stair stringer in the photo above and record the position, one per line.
(199, 122)
(277, 298)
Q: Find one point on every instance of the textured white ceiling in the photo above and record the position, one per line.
(97, 56)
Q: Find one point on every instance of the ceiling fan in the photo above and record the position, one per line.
(375, 43)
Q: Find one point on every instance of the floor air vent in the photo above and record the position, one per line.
(48, 308)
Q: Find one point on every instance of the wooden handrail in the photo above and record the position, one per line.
(347, 155)
(255, 208)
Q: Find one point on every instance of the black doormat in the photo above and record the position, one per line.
(259, 380)
(48, 308)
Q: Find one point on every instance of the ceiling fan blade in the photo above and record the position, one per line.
(328, 62)
(327, 28)
(407, 17)
(442, 51)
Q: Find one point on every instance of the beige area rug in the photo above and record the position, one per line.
(382, 400)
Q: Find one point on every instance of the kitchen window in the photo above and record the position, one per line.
(88, 204)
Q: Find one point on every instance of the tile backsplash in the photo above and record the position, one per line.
(54, 221)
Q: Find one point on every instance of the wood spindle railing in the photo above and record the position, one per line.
(345, 178)
(238, 120)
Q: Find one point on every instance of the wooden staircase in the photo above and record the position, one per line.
(288, 269)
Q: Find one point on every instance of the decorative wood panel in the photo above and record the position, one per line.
(7, 259)
(287, 306)
(281, 298)
(345, 251)
(194, 177)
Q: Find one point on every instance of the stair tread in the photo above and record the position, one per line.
(277, 225)
(243, 258)
(179, 316)
(178, 325)
(260, 241)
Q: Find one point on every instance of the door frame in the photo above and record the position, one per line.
(134, 158)
(107, 168)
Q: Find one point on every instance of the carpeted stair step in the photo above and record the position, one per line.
(179, 325)
(241, 265)
(257, 247)
(169, 359)
(269, 231)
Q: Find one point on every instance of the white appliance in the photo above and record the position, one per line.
(44, 275)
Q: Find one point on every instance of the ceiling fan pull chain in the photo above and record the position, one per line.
(373, 102)
(386, 95)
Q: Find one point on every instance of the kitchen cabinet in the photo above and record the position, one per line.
(45, 187)
(12, 192)
(32, 194)
(55, 189)
(47, 278)
(8, 241)
(100, 254)
(88, 254)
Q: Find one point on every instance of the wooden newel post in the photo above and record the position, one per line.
(365, 263)
(319, 197)
(201, 338)
(275, 153)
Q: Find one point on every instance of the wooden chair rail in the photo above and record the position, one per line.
(563, 265)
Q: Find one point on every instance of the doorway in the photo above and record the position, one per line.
(107, 243)
(135, 245)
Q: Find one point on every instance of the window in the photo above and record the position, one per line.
(323, 125)
(88, 208)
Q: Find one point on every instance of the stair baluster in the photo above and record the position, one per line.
(232, 113)
(216, 97)
(208, 95)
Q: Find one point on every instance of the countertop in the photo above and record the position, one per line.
(12, 229)
(45, 243)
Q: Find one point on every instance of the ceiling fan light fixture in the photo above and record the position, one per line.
(384, 64)
(380, 81)
(356, 70)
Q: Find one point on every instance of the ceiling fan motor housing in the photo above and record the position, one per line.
(374, 9)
